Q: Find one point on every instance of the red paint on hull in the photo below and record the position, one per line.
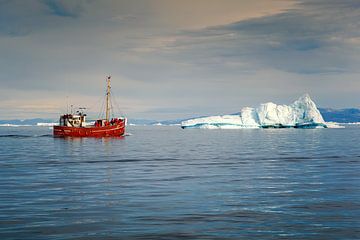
(90, 131)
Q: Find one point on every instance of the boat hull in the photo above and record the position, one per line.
(90, 131)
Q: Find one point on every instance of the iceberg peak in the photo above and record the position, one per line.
(303, 113)
(308, 108)
(305, 97)
(305, 100)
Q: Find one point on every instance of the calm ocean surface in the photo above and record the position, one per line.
(168, 183)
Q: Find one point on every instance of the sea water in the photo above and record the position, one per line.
(167, 183)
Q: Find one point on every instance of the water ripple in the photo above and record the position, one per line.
(167, 183)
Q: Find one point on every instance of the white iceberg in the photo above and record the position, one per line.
(303, 113)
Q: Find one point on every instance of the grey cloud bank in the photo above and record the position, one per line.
(165, 67)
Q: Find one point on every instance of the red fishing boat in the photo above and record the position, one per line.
(74, 125)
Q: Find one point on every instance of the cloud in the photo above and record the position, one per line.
(203, 57)
(65, 8)
(189, 14)
(312, 38)
(17, 18)
(20, 18)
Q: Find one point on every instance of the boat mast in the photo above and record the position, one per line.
(108, 98)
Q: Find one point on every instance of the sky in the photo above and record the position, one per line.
(173, 59)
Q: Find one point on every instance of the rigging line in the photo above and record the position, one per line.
(113, 100)
(111, 108)
(100, 98)
(102, 109)
(117, 105)
(67, 94)
(100, 115)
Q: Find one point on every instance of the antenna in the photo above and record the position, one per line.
(82, 110)
(67, 104)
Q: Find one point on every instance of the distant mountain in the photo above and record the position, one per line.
(173, 122)
(133, 121)
(346, 115)
(35, 121)
(32, 121)
(154, 122)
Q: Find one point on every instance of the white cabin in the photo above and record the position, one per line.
(73, 120)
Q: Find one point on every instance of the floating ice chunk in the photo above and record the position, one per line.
(46, 124)
(303, 113)
(13, 125)
(334, 125)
